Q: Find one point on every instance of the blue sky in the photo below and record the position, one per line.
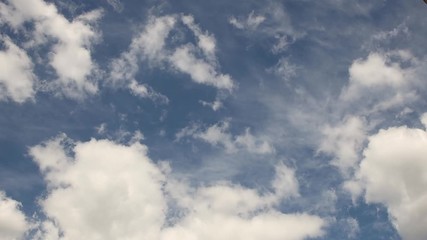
(216, 120)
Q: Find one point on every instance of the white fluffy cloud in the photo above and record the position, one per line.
(184, 59)
(107, 191)
(219, 135)
(70, 55)
(344, 142)
(16, 74)
(381, 81)
(150, 47)
(13, 223)
(103, 190)
(393, 172)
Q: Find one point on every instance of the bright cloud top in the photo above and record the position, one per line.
(13, 223)
(104, 190)
(393, 172)
(150, 46)
(69, 41)
(17, 79)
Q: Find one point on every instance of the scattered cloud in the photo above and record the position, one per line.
(284, 69)
(150, 47)
(83, 200)
(70, 54)
(344, 141)
(184, 60)
(219, 135)
(149, 44)
(249, 23)
(205, 41)
(117, 5)
(16, 76)
(13, 223)
(215, 105)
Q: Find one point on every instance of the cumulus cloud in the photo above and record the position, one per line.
(16, 74)
(377, 83)
(13, 223)
(205, 41)
(393, 172)
(107, 191)
(219, 135)
(201, 71)
(150, 46)
(70, 54)
(381, 81)
(344, 141)
(104, 190)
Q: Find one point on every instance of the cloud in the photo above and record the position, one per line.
(16, 75)
(205, 41)
(184, 60)
(215, 105)
(250, 23)
(145, 91)
(150, 47)
(284, 69)
(116, 4)
(219, 135)
(377, 83)
(107, 191)
(70, 55)
(104, 190)
(381, 80)
(273, 22)
(13, 223)
(344, 141)
(393, 172)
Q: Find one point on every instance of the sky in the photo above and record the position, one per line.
(213, 120)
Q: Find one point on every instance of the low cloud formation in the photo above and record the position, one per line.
(344, 142)
(151, 46)
(381, 82)
(13, 223)
(69, 42)
(16, 74)
(104, 190)
(393, 172)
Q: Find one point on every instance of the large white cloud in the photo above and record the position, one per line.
(393, 172)
(104, 190)
(107, 191)
(16, 74)
(70, 54)
(13, 223)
